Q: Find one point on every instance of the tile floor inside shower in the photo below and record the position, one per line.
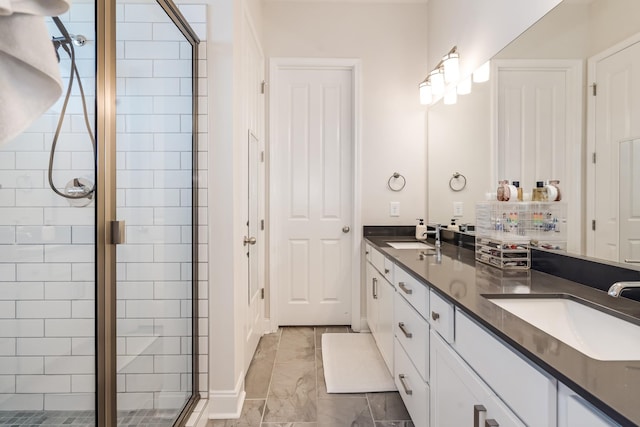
(138, 418)
(285, 388)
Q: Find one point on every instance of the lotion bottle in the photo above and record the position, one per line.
(421, 230)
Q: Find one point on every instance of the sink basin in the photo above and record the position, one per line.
(592, 332)
(409, 245)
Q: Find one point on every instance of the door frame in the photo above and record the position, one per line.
(591, 137)
(573, 190)
(354, 66)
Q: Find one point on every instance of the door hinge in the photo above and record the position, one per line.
(262, 293)
(262, 224)
(593, 157)
(593, 224)
(262, 156)
(594, 89)
(263, 87)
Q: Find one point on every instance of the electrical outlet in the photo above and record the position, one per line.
(457, 209)
(394, 208)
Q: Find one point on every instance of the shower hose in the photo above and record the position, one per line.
(66, 43)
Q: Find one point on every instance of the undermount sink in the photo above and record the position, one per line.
(592, 332)
(409, 245)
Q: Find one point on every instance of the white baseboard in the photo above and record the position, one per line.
(227, 404)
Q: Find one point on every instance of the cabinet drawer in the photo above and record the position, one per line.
(412, 332)
(388, 270)
(535, 403)
(413, 390)
(441, 316)
(413, 291)
(377, 259)
(367, 252)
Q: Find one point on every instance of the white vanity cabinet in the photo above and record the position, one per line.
(380, 306)
(459, 398)
(574, 411)
(506, 371)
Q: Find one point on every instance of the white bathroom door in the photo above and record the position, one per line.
(617, 119)
(312, 194)
(630, 201)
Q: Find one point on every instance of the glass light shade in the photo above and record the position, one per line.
(464, 86)
(450, 96)
(437, 82)
(483, 73)
(426, 97)
(451, 65)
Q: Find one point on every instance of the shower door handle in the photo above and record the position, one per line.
(118, 236)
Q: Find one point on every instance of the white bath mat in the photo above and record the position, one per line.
(353, 364)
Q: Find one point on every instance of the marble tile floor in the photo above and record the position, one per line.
(285, 388)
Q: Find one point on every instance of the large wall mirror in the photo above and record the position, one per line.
(537, 119)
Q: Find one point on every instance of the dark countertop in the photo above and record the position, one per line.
(612, 386)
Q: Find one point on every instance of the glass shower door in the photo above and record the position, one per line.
(154, 181)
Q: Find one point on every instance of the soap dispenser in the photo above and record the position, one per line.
(421, 230)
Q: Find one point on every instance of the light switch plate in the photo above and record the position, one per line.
(394, 208)
(457, 209)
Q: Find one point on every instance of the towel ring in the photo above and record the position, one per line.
(395, 186)
(457, 184)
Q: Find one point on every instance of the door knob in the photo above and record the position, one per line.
(249, 240)
(346, 229)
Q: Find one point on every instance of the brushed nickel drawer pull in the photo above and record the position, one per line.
(404, 288)
(434, 315)
(407, 390)
(374, 288)
(404, 330)
(477, 411)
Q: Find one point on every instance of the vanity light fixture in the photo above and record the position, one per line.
(451, 65)
(426, 96)
(483, 73)
(444, 75)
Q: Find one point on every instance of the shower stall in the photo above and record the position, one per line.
(98, 217)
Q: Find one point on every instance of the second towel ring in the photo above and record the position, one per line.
(456, 184)
(396, 186)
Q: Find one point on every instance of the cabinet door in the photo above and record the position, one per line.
(385, 321)
(373, 284)
(574, 411)
(459, 398)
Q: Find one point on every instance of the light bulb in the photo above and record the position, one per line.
(437, 82)
(426, 97)
(464, 86)
(451, 64)
(483, 73)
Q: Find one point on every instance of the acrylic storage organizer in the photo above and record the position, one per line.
(505, 231)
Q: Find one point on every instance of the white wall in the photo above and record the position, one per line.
(479, 28)
(460, 141)
(390, 40)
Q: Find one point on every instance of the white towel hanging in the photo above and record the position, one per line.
(29, 73)
(34, 7)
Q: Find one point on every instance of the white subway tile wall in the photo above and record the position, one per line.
(47, 267)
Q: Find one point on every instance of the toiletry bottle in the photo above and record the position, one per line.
(518, 189)
(540, 192)
(502, 194)
(553, 190)
(453, 225)
(421, 230)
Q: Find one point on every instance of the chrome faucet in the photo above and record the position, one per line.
(435, 232)
(617, 288)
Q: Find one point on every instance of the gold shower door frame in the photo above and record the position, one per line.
(106, 396)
